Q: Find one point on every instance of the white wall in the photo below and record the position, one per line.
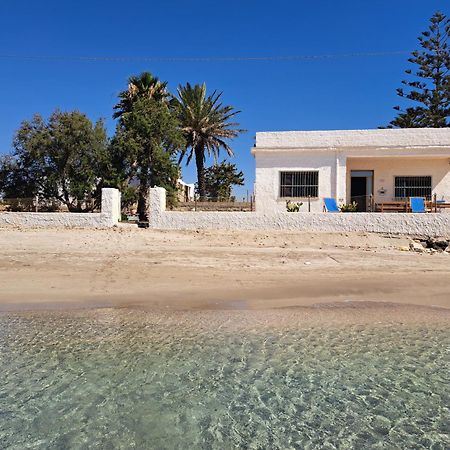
(397, 223)
(267, 180)
(108, 217)
(402, 137)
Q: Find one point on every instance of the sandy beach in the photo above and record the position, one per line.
(131, 267)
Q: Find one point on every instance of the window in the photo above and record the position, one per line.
(413, 187)
(299, 184)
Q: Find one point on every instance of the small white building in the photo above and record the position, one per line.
(387, 164)
(186, 191)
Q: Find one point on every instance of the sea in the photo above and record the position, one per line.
(324, 378)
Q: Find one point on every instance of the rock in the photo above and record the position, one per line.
(437, 243)
(442, 244)
(447, 249)
(416, 247)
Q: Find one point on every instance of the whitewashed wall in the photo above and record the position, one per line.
(108, 217)
(401, 137)
(420, 224)
(270, 165)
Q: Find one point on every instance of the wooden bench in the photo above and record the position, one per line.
(392, 207)
(442, 205)
(402, 206)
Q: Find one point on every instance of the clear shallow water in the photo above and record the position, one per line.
(129, 379)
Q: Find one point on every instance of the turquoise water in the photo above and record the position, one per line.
(112, 379)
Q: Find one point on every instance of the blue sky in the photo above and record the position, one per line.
(331, 93)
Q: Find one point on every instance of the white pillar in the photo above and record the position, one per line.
(341, 177)
(157, 206)
(111, 205)
(157, 201)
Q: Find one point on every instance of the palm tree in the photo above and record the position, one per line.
(140, 87)
(143, 85)
(206, 125)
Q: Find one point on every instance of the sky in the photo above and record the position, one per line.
(338, 92)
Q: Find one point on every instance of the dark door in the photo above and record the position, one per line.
(358, 192)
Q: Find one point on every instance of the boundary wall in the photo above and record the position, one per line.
(109, 216)
(396, 223)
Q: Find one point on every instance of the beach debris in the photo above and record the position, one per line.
(416, 247)
(437, 243)
(430, 245)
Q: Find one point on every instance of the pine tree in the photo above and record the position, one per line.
(429, 87)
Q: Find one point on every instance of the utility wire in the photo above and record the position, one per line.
(197, 59)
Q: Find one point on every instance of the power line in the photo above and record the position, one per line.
(50, 58)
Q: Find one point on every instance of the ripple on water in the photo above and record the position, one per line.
(132, 379)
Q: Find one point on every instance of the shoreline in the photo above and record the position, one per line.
(379, 315)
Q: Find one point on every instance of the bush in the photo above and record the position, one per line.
(349, 207)
(293, 206)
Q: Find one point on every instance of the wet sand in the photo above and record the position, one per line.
(130, 267)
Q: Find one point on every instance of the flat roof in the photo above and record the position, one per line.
(395, 137)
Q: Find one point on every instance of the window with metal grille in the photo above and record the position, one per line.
(299, 184)
(413, 187)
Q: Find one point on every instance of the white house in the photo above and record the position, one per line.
(186, 191)
(387, 164)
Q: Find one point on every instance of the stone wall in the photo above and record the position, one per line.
(396, 223)
(108, 217)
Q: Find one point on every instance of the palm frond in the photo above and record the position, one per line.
(207, 125)
(143, 85)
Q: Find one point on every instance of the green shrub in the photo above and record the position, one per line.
(293, 206)
(349, 207)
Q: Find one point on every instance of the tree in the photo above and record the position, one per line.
(219, 180)
(147, 138)
(140, 86)
(65, 158)
(430, 83)
(206, 125)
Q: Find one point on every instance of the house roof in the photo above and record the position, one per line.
(377, 138)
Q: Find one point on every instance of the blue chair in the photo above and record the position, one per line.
(330, 205)
(417, 204)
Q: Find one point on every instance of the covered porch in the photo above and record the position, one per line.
(386, 183)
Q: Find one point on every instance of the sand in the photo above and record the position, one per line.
(173, 270)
